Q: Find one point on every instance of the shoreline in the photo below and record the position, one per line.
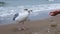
(31, 21)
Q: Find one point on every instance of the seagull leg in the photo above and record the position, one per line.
(20, 26)
(23, 26)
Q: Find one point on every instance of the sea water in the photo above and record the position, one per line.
(40, 8)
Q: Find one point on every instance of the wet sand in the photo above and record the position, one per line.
(33, 27)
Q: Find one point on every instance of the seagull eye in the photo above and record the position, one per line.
(31, 10)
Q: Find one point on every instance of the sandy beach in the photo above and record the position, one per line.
(33, 27)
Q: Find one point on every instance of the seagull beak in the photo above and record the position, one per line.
(30, 10)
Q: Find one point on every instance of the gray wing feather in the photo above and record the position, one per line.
(16, 15)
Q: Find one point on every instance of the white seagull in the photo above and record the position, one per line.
(21, 18)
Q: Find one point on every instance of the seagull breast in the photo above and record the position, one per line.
(22, 16)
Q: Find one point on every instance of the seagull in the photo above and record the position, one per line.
(20, 18)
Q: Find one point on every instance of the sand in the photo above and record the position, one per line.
(33, 27)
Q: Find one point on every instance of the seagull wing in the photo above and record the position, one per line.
(16, 15)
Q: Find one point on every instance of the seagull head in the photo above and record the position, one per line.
(29, 11)
(25, 9)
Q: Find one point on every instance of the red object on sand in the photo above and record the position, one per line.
(54, 12)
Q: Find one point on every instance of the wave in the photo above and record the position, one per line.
(5, 11)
